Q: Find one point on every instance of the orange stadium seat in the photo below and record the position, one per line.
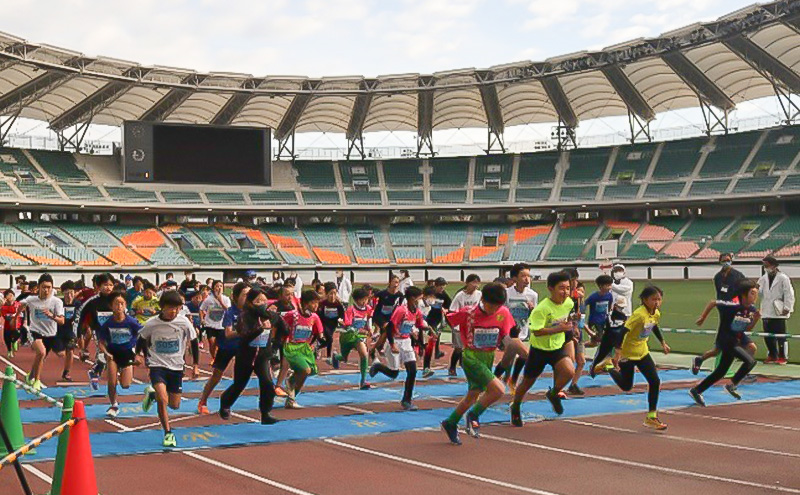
(522, 234)
(330, 257)
(144, 238)
(124, 257)
(656, 233)
(631, 227)
(478, 252)
(454, 256)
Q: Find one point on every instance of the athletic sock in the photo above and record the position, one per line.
(454, 418)
(652, 414)
(362, 366)
(477, 409)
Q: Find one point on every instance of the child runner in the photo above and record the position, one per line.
(470, 296)
(399, 350)
(435, 318)
(227, 345)
(599, 305)
(286, 302)
(483, 328)
(117, 340)
(66, 339)
(255, 327)
(211, 312)
(163, 341)
(549, 323)
(635, 353)
(578, 349)
(331, 313)
(736, 318)
(146, 306)
(385, 302)
(46, 313)
(93, 313)
(615, 325)
(11, 322)
(357, 322)
(301, 326)
(521, 300)
(425, 305)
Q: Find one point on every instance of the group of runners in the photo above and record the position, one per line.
(279, 332)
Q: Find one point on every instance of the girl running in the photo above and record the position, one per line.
(211, 312)
(11, 322)
(635, 353)
(736, 317)
(483, 328)
(255, 327)
(331, 313)
(301, 326)
(117, 340)
(357, 322)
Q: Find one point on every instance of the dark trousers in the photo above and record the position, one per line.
(776, 346)
(248, 360)
(725, 362)
(624, 378)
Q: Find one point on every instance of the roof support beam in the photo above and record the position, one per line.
(494, 112)
(558, 98)
(295, 110)
(704, 87)
(425, 116)
(235, 104)
(355, 128)
(172, 100)
(633, 99)
(770, 67)
(31, 91)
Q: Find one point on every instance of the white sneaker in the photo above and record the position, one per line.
(292, 404)
(113, 411)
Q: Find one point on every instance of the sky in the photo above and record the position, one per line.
(345, 37)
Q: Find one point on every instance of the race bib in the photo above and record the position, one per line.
(331, 313)
(103, 317)
(359, 323)
(485, 338)
(520, 311)
(437, 304)
(302, 333)
(261, 341)
(120, 336)
(168, 346)
(602, 307)
(647, 329)
(405, 328)
(216, 314)
(38, 314)
(387, 310)
(740, 324)
(69, 312)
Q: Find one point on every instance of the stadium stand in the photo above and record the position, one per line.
(713, 250)
(289, 243)
(10, 258)
(326, 242)
(449, 197)
(778, 150)
(405, 197)
(490, 196)
(678, 159)
(6, 191)
(9, 236)
(315, 174)
(449, 172)
(402, 174)
(664, 190)
(137, 236)
(788, 229)
(89, 234)
(209, 236)
(87, 193)
(790, 250)
(320, 198)
(41, 256)
(573, 238)
(587, 166)
(14, 163)
(273, 198)
(705, 228)
(38, 190)
(633, 161)
(762, 248)
(81, 256)
(537, 169)
(252, 256)
(639, 251)
(494, 168)
(678, 249)
(751, 227)
(621, 191)
(59, 165)
(368, 244)
(661, 229)
(211, 257)
(729, 154)
(129, 195)
(755, 185)
(225, 198)
(446, 255)
(528, 242)
(579, 193)
(182, 197)
(163, 255)
(708, 188)
(533, 195)
(409, 255)
(243, 237)
(359, 171)
(792, 182)
(488, 243)
(363, 197)
(407, 234)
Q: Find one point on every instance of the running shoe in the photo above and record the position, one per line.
(84, 356)
(452, 373)
(202, 409)
(427, 373)
(698, 397)
(113, 411)
(10, 354)
(94, 380)
(37, 385)
(292, 404)
(268, 419)
(28, 380)
(335, 362)
(782, 361)
(654, 423)
(696, 363)
(555, 401)
(516, 415)
(365, 386)
(473, 425)
(149, 398)
(750, 379)
(65, 376)
(452, 432)
(408, 406)
(224, 413)
(169, 440)
(575, 390)
(439, 355)
(280, 392)
(562, 395)
(593, 370)
(15, 346)
(732, 389)
(373, 370)
(771, 360)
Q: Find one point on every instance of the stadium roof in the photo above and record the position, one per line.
(748, 54)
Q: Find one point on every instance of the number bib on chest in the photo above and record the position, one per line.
(331, 313)
(387, 310)
(647, 329)
(405, 328)
(302, 332)
(485, 338)
(69, 312)
(120, 336)
(261, 341)
(216, 314)
(602, 307)
(740, 324)
(359, 323)
(38, 314)
(103, 317)
(169, 346)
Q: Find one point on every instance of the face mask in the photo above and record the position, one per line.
(772, 271)
(618, 275)
(727, 263)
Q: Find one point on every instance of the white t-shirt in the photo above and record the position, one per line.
(404, 284)
(214, 310)
(167, 341)
(464, 300)
(517, 303)
(41, 324)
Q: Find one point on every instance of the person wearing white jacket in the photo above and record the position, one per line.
(777, 304)
(343, 287)
(622, 287)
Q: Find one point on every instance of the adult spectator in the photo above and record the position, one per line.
(343, 287)
(777, 304)
(405, 281)
(622, 287)
(187, 285)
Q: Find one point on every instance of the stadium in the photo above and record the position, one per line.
(207, 179)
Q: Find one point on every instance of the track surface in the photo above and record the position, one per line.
(727, 449)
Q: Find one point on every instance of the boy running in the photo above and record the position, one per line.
(302, 325)
(549, 323)
(468, 297)
(117, 340)
(357, 323)
(211, 312)
(331, 313)
(399, 350)
(483, 328)
(163, 341)
(66, 339)
(598, 305)
(385, 303)
(11, 322)
(46, 313)
(736, 318)
(614, 329)
(521, 300)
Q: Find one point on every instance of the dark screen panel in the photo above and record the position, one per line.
(210, 155)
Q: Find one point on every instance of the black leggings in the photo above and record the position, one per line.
(607, 343)
(327, 340)
(775, 345)
(624, 378)
(725, 362)
(411, 377)
(249, 359)
(10, 336)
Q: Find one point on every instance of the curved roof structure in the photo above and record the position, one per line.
(745, 55)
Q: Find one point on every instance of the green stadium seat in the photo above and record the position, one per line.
(315, 174)
(448, 255)
(81, 256)
(273, 198)
(752, 227)
(490, 196)
(639, 251)
(89, 235)
(323, 235)
(498, 167)
(713, 250)
(533, 195)
(787, 229)
(587, 166)
(664, 189)
(42, 256)
(621, 191)
(206, 257)
(407, 235)
(209, 236)
(6, 191)
(321, 197)
(163, 256)
(59, 165)
(129, 195)
(410, 255)
(778, 150)
(792, 182)
(225, 198)
(633, 161)
(709, 187)
(525, 252)
(405, 197)
(678, 159)
(13, 161)
(448, 234)
(366, 170)
(730, 152)
(83, 193)
(368, 255)
(252, 256)
(402, 173)
(449, 197)
(579, 193)
(449, 172)
(705, 228)
(565, 252)
(537, 169)
(182, 197)
(11, 258)
(755, 185)
(363, 197)
(763, 247)
(9, 236)
(38, 190)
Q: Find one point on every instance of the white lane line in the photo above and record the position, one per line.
(440, 469)
(247, 474)
(158, 423)
(734, 420)
(39, 474)
(246, 418)
(641, 465)
(684, 439)
(357, 409)
(118, 425)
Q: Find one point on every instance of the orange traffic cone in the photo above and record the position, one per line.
(79, 477)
